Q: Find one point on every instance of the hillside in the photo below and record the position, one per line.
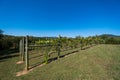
(110, 35)
(100, 62)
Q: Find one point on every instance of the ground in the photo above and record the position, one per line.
(100, 62)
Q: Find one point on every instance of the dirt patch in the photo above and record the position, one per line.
(27, 71)
(19, 62)
(41, 65)
(22, 72)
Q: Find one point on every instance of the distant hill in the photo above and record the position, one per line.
(109, 35)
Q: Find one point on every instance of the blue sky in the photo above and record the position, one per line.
(64, 17)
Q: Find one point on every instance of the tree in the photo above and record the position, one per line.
(1, 33)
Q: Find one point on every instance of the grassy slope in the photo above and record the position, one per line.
(101, 62)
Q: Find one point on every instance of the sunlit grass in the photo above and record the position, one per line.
(100, 62)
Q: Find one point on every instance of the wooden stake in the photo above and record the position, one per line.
(46, 53)
(20, 49)
(58, 51)
(23, 48)
(26, 54)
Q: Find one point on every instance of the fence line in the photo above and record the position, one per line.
(24, 51)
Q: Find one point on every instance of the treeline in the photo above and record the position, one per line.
(8, 41)
(110, 39)
(12, 42)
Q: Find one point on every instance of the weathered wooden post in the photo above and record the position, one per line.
(58, 47)
(26, 55)
(46, 52)
(58, 50)
(20, 49)
(23, 48)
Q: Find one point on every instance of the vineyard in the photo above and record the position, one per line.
(65, 58)
(35, 53)
(100, 62)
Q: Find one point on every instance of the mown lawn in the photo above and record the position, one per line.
(101, 62)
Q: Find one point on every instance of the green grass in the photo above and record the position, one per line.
(101, 62)
(37, 56)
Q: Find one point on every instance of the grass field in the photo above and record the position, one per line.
(101, 62)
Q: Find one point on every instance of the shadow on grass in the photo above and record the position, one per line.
(61, 51)
(56, 58)
(35, 56)
(85, 48)
(2, 60)
(5, 54)
(51, 60)
(62, 56)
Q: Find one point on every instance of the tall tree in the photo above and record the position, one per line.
(1, 33)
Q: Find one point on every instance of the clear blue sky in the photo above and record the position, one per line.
(64, 17)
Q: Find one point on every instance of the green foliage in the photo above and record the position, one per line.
(67, 43)
(1, 33)
(110, 39)
(8, 42)
(40, 42)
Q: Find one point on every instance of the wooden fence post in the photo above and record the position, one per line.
(58, 50)
(20, 49)
(26, 55)
(46, 56)
(46, 52)
(23, 48)
(58, 46)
